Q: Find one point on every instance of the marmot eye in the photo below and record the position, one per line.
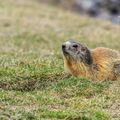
(75, 45)
(83, 49)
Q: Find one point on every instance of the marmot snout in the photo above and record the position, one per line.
(97, 64)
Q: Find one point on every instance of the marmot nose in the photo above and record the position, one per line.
(63, 47)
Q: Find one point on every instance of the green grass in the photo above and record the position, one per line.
(33, 84)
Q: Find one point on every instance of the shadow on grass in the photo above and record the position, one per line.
(64, 84)
(30, 83)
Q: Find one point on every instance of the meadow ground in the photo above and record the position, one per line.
(33, 84)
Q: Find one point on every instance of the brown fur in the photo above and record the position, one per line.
(103, 67)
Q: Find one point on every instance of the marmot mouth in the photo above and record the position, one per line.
(65, 52)
(73, 56)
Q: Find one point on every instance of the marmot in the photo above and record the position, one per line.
(96, 64)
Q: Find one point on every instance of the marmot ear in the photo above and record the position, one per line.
(88, 57)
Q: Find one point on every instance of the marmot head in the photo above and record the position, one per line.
(77, 51)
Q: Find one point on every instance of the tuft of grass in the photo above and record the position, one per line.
(80, 87)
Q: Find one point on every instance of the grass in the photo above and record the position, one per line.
(33, 84)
